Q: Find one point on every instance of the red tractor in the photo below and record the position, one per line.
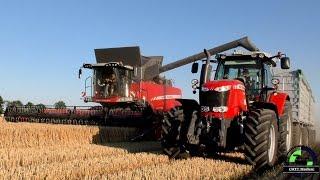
(239, 108)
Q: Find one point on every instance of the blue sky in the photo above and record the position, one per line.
(43, 43)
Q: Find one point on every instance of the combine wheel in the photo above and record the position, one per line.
(305, 136)
(285, 132)
(261, 138)
(296, 135)
(171, 132)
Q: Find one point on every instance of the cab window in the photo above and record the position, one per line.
(267, 76)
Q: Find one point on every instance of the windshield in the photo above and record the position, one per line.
(112, 81)
(247, 71)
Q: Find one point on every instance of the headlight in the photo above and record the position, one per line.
(205, 108)
(204, 89)
(194, 81)
(254, 55)
(222, 88)
(275, 81)
(220, 109)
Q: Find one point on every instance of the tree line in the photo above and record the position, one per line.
(57, 105)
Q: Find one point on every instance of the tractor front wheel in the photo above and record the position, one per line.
(261, 138)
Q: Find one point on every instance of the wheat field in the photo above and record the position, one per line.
(47, 151)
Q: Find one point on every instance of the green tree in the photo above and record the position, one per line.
(42, 106)
(1, 105)
(15, 103)
(60, 105)
(29, 104)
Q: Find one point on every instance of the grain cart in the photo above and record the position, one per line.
(239, 106)
(296, 85)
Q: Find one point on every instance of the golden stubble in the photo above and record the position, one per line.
(46, 151)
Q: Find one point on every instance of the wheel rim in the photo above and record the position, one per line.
(272, 143)
(288, 137)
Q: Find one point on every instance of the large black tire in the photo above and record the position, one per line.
(175, 141)
(261, 138)
(285, 132)
(171, 140)
(305, 136)
(296, 135)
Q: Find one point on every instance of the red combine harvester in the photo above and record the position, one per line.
(240, 108)
(125, 83)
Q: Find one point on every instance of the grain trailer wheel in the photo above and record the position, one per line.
(312, 136)
(305, 136)
(296, 135)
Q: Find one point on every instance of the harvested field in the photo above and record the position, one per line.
(45, 151)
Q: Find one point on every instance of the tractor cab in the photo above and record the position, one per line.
(253, 69)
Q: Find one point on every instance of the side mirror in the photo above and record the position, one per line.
(285, 63)
(80, 72)
(194, 68)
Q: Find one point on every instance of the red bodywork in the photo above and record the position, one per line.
(236, 101)
(159, 97)
(278, 99)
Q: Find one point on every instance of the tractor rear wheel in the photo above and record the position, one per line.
(171, 133)
(261, 138)
(285, 132)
